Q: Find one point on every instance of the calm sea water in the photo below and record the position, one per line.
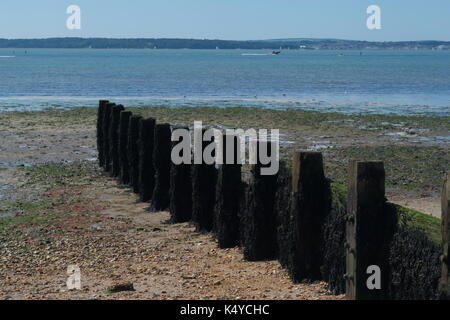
(406, 82)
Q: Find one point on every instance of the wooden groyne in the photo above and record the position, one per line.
(349, 236)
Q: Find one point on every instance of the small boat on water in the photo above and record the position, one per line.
(276, 52)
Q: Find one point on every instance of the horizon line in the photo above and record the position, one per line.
(231, 40)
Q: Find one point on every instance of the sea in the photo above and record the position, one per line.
(354, 82)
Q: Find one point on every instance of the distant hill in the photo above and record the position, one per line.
(303, 39)
(150, 43)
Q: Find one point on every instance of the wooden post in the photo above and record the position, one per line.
(258, 219)
(123, 147)
(106, 143)
(228, 196)
(444, 285)
(146, 141)
(161, 161)
(100, 138)
(203, 193)
(114, 140)
(133, 152)
(366, 229)
(282, 205)
(180, 189)
(309, 207)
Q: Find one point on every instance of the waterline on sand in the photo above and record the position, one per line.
(349, 106)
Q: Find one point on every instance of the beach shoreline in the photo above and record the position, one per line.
(343, 104)
(64, 136)
(58, 208)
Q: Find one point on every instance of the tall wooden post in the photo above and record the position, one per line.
(124, 175)
(100, 117)
(282, 205)
(114, 140)
(366, 231)
(228, 196)
(106, 142)
(204, 178)
(444, 285)
(162, 162)
(133, 151)
(310, 205)
(258, 220)
(146, 143)
(180, 188)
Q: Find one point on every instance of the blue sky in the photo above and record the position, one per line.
(228, 19)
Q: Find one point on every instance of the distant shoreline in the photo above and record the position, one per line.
(283, 44)
(236, 49)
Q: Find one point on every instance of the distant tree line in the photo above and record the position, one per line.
(149, 43)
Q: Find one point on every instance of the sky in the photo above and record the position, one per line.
(228, 19)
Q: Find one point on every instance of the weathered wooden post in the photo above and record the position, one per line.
(161, 161)
(282, 205)
(114, 140)
(203, 192)
(258, 219)
(444, 285)
(146, 176)
(366, 231)
(124, 121)
(180, 187)
(106, 143)
(229, 191)
(100, 138)
(301, 249)
(133, 151)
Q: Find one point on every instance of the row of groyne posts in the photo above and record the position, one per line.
(283, 216)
